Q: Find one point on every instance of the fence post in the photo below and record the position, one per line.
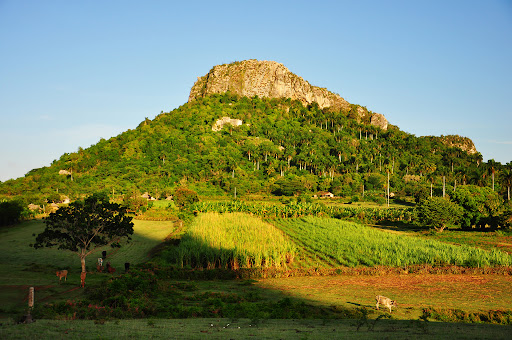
(30, 299)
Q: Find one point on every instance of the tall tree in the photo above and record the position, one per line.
(438, 212)
(85, 226)
(506, 176)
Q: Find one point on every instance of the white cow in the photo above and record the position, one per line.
(387, 302)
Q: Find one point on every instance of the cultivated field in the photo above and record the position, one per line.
(232, 240)
(335, 242)
(253, 305)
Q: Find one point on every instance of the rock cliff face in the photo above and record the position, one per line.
(264, 79)
(463, 143)
(379, 120)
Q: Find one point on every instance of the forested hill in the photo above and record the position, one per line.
(281, 147)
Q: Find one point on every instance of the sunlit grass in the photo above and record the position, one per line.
(19, 256)
(232, 240)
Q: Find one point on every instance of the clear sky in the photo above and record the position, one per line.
(72, 72)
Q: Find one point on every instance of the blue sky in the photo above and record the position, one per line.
(72, 72)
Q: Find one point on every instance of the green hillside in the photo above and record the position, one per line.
(281, 148)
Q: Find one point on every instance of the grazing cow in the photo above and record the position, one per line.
(387, 302)
(99, 268)
(62, 274)
(82, 279)
(110, 269)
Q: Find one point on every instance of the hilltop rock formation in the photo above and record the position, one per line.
(264, 79)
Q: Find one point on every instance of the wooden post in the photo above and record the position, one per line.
(30, 298)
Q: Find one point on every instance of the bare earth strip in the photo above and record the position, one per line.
(412, 292)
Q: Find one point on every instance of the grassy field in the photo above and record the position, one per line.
(24, 266)
(215, 328)
(412, 292)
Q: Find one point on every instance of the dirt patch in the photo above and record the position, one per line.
(413, 291)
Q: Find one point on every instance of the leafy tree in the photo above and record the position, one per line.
(134, 202)
(85, 226)
(438, 212)
(10, 212)
(481, 205)
(288, 187)
(184, 197)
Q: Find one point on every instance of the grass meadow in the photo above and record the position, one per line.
(222, 328)
(23, 266)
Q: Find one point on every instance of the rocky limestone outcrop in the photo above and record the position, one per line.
(379, 120)
(271, 79)
(463, 143)
(263, 79)
(219, 124)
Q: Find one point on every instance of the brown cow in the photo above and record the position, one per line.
(62, 274)
(82, 279)
(110, 269)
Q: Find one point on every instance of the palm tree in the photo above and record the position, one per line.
(506, 176)
(492, 165)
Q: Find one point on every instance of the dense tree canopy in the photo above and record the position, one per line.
(481, 205)
(279, 138)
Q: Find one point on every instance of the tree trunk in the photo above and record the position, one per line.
(388, 189)
(444, 186)
(82, 260)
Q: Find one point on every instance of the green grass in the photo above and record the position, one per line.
(488, 240)
(26, 266)
(231, 240)
(221, 328)
(33, 264)
(336, 242)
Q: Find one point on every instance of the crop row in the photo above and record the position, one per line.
(351, 244)
(231, 241)
(307, 209)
